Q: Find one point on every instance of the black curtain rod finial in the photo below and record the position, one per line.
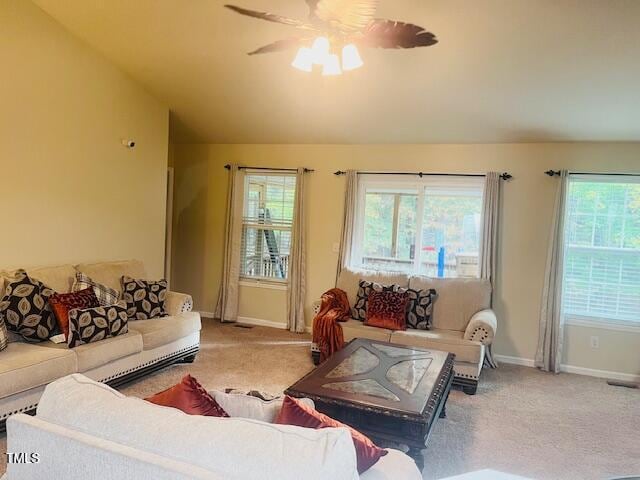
(506, 176)
(553, 173)
(339, 172)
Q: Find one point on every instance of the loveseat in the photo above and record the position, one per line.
(26, 368)
(84, 429)
(463, 321)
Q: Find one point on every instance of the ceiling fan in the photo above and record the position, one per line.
(345, 24)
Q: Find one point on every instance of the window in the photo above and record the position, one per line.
(266, 226)
(429, 226)
(602, 249)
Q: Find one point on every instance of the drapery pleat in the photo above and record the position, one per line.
(227, 306)
(551, 335)
(490, 216)
(348, 220)
(296, 290)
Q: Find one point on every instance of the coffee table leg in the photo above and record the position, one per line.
(418, 457)
(443, 412)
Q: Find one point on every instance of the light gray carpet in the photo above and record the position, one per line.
(521, 421)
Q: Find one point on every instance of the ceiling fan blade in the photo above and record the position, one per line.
(271, 17)
(279, 46)
(391, 34)
(349, 15)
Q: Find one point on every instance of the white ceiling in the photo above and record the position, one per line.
(504, 71)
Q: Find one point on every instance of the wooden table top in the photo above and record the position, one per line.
(393, 379)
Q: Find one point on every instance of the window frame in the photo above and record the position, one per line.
(256, 281)
(582, 320)
(419, 185)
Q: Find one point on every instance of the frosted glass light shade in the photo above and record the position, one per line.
(303, 60)
(332, 66)
(320, 49)
(351, 58)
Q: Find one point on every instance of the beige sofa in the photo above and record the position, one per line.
(26, 368)
(463, 322)
(109, 436)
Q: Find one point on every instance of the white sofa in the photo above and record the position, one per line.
(84, 429)
(26, 368)
(463, 321)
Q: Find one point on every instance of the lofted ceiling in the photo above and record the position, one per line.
(504, 71)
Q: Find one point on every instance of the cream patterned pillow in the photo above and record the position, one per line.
(106, 296)
(145, 299)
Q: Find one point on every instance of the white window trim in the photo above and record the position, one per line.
(576, 320)
(268, 284)
(602, 323)
(255, 281)
(399, 182)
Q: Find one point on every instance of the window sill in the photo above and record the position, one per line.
(604, 324)
(266, 284)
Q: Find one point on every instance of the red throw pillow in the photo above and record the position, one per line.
(387, 310)
(190, 397)
(63, 303)
(294, 412)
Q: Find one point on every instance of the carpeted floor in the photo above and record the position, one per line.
(521, 421)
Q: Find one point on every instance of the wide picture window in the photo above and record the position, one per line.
(602, 249)
(424, 226)
(267, 223)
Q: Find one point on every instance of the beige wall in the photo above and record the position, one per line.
(70, 191)
(526, 215)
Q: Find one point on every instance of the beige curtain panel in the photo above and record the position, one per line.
(551, 335)
(490, 216)
(227, 307)
(348, 220)
(296, 291)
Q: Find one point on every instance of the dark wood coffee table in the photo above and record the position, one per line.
(392, 393)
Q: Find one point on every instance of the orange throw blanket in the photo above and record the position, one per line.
(327, 332)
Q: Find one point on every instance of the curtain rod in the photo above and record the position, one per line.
(504, 176)
(556, 173)
(306, 170)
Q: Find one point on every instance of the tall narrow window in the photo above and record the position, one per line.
(428, 226)
(267, 222)
(602, 249)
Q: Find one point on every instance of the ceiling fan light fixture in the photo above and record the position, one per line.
(320, 50)
(304, 60)
(331, 66)
(351, 59)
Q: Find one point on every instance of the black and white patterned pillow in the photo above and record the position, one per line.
(420, 308)
(89, 325)
(106, 296)
(145, 299)
(26, 309)
(359, 310)
(4, 334)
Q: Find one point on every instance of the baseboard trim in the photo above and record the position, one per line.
(590, 372)
(258, 322)
(625, 377)
(523, 362)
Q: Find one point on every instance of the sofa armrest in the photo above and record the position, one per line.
(176, 303)
(482, 327)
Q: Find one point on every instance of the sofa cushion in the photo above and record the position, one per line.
(58, 278)
(63, 303)
(110, 273)
(26, 309)
(387, 310)
(247, 406)
(24, 366)
(445, 340)
(242, 448)
(355, 329)
(106, 296)
(458, 299)
(365, 289)
(161, 331)
(91, 325)
(145, 299)
(190, 397)
(349, 279)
